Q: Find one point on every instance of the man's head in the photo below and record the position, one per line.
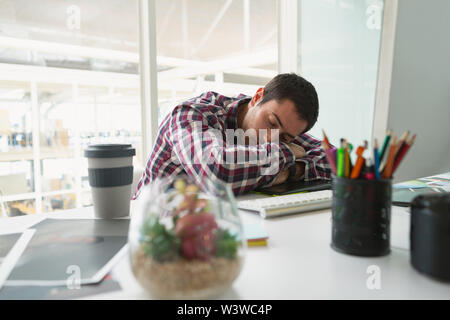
(288, 103)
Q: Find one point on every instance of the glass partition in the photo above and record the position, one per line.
(225, 46)
(69, 77)
(339, 43)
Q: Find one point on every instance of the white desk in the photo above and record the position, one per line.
(298, 263)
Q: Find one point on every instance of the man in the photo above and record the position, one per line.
(194, 138)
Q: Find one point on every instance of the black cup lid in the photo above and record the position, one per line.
(109, 151)
(437, 203)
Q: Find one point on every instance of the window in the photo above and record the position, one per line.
(17, 182)
(225, 46)
(339, 43)
(68, 74)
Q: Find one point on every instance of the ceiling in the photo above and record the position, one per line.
(202, 30)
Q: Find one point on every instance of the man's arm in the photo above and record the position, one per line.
(315, 164)
(203, 154)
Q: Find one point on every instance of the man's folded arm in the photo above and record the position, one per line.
(316, 163)
(203, 153)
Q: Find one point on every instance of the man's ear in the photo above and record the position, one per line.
(257, 97)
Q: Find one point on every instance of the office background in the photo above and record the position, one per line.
(71, 75)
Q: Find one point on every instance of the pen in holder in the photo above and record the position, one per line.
(361, 215)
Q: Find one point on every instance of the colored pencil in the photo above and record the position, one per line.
(385, 145)
(403, 152)
(340, 161)
(330, 157)
(369, 174)
(347, 159)
(376, 158)
(387, 172)
(401, 143)
(384, 160)
(378, 167)
(325, 140)
(333, 153)
(359, 161)
(350, 148)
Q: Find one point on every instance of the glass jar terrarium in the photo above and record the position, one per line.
(186, 238)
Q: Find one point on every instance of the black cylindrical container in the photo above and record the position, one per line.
(430, 235)
(361, 215)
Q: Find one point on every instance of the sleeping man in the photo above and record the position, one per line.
(246, 142)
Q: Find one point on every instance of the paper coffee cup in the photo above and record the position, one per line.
(110, 170)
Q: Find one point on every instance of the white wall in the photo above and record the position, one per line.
(420, 88)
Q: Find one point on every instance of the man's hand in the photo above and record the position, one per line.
(300, 170)
(298, 151)
(282, 177)
(284, 174)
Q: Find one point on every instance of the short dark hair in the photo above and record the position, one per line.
(297, 89)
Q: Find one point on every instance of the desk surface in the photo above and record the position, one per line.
(298, 263)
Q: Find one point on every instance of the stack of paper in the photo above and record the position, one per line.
(405, 192)
(255, 235)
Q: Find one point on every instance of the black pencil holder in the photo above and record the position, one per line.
(361, 216)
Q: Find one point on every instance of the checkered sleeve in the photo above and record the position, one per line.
(203, 153)
(316, 162)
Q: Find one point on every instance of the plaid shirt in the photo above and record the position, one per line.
(192, 139)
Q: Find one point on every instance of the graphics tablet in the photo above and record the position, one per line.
(296, 186)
